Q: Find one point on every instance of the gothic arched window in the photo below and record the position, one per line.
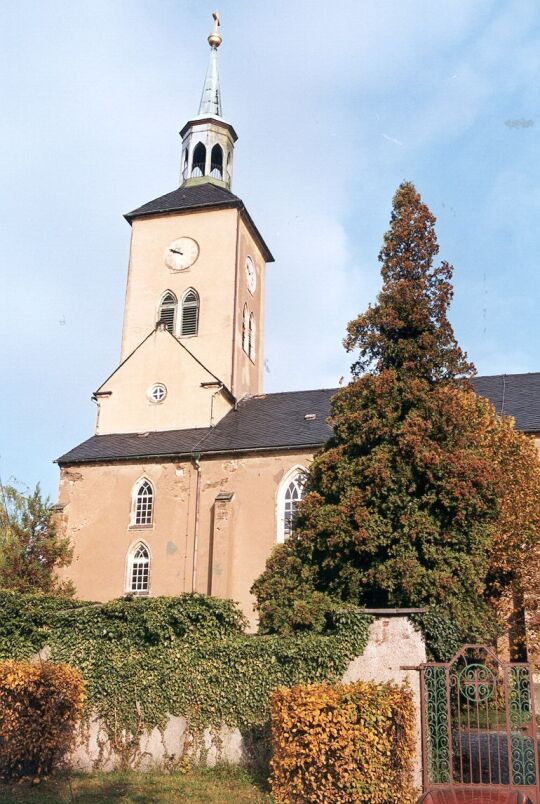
(251, 337)
(138, 571)
(216, 162)
(167, 311)
(190, 313)
(199, 160)
(245, 329)
(290, 492)
(143, 503)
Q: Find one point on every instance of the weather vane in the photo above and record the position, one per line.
(215, 40)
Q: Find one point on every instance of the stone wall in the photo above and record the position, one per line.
(393, 644)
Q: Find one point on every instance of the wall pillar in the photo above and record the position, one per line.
(221, 546)
(394, 651)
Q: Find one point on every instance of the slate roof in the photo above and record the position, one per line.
(517, 395)
(199, 196)
(195, 197)
(278, 421)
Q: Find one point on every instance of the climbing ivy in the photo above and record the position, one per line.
(146, 659)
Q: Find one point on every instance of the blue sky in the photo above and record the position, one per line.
(335, 104)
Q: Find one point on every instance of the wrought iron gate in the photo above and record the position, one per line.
(479, 724)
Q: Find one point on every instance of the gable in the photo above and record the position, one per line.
(193, 397)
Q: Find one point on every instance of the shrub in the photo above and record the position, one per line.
(40, 705)
(343, 743)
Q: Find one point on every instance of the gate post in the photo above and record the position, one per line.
(394, 652)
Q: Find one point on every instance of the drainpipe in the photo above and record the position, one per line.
(197, 464)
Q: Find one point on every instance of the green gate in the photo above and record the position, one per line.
(479, 724)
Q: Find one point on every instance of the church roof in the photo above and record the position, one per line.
(288, 420)
(193, 197)
(198, 196)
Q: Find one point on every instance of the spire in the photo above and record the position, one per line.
(211, 96)
(207, 139)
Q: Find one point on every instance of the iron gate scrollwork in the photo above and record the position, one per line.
(479, 724)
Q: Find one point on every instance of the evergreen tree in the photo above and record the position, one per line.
(401, 502)
(30, 548)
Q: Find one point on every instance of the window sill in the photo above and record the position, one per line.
(141, 527)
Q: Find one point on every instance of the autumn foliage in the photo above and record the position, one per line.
(40, 705)
(423, 496)
(345, 743)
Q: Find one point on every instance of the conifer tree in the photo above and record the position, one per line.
(401, 503)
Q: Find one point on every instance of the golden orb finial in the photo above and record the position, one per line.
(215, 40)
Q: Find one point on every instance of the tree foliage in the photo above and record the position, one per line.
(31, 550)
(405, 504)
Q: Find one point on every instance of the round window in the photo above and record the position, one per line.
(157, 392)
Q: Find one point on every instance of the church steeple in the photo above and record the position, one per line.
(211, 95)
(208, 140)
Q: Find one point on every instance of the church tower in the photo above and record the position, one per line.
(192, 339)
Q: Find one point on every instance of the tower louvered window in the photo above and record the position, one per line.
(167, 311)
(190, 313)
(139, 570)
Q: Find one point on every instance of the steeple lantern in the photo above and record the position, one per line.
(207, 139)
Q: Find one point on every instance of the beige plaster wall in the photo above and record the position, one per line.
(247, 373)
(123, 401)
(212, 276)
(218, 276)
(96, 516)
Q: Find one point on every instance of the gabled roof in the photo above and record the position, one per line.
(285, 421)
(199, 196)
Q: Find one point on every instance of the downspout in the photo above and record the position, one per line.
(197, 464)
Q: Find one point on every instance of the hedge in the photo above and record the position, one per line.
(145, 659)
(40, 705)
(343, 743)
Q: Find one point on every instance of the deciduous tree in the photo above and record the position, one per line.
(31, 549)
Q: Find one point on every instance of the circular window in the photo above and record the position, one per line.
(157, 392)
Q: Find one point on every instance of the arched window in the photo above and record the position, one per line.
(199, 160)
(245, 330)
(190, 313)
(216, 162)
(143, 503)
(251, 337)
(167, 311)
(290, 493)
(138, 574)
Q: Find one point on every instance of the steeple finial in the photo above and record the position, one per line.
(211, 96)
(215, 40)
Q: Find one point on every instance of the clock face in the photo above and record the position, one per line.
(251, 275)
(181, 254)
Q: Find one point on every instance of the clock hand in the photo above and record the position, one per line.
(175, 251)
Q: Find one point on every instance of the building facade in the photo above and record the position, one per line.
(194, 474)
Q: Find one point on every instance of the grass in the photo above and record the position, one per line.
(208, 785)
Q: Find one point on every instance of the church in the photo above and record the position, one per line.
(194, 473)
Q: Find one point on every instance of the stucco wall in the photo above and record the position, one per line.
(231, 551)
(393, 643)
(218, 276)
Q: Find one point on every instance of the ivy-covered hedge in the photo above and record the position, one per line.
(144, 659)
